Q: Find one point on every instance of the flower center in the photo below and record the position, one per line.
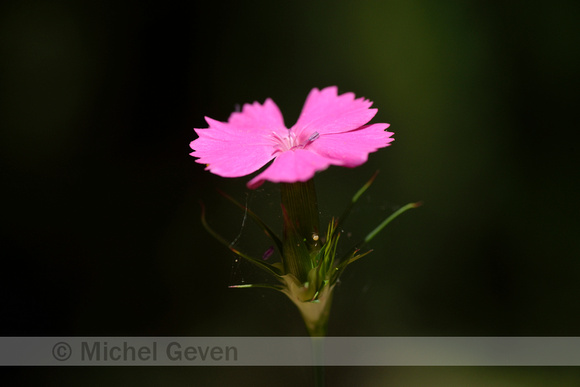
(291, 142)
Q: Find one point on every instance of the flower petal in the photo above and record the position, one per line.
(351, 149)
(290, 167)
(242, 145)
(327, 112)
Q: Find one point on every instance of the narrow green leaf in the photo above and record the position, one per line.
(366, 186)
(267, 286)
(357, 257)
(340, 268)
(262, 265)
(267, 230)
(380, 227)
(354, 199)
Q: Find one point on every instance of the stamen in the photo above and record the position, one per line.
(313, 136)
(283, 144)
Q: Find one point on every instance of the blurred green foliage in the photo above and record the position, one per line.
(101, 215)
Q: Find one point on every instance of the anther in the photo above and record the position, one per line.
(313, 136)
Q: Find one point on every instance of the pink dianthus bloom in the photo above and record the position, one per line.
(331, 130)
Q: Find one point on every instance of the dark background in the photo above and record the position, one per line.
(100, 212)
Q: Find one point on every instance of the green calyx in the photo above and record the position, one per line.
(301, 241)
(309, 268)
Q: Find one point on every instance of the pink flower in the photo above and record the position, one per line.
(331, 130)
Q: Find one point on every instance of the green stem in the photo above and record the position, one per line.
(317, 344)
(301, 245)
(319, 376)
